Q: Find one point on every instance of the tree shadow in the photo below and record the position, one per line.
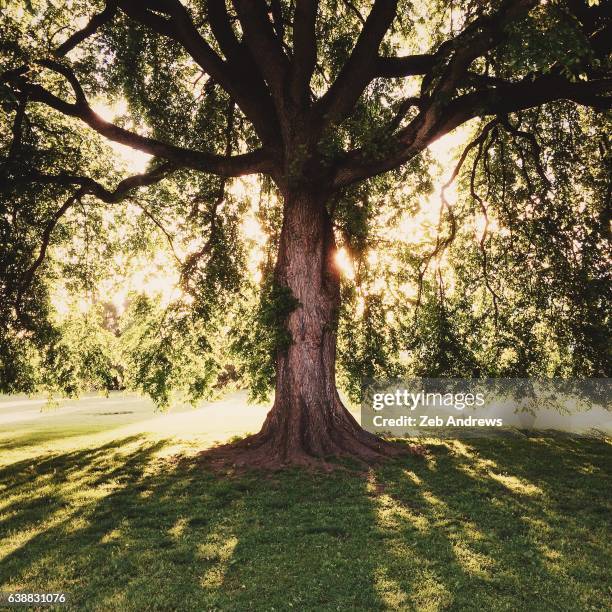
(501, 524)
(118, 528)
(478, 526)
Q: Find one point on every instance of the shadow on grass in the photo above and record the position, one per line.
(489, 524)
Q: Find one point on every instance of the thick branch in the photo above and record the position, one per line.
(221, 27)
(353, 9)
(476, 39)
(532, 92)
(240, 62)
(248, 163)
(94, 24)
(434, 122)
(408, 65)
(178, 25)
(266, 48)
(17, 130)
(359, 68)
(482, 35)
(304, 50)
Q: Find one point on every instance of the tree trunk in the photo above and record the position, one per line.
(308, 421)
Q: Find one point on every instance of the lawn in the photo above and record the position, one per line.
(93, 503)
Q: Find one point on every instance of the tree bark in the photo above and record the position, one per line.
(308, 422)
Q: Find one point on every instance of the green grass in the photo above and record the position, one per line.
(507, 524)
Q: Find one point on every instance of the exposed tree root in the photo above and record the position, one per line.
(275, 448)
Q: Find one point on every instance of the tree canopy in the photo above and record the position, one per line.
(243, 107)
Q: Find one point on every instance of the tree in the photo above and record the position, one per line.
(312, 94)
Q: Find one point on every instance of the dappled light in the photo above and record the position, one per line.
(125, 521)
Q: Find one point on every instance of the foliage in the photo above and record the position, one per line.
(167, 351)
(259, 335)
(84, 358)
(525, 295)
(539, 282)
(530, 295)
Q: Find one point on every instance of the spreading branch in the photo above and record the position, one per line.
(85, 186)
(171, 19)
(304, 50)
(92, 187)
(444, 71)
(94, 24)
(271, 87)
(479, 37)
(263, 43)
(404, 66)
(434, 121)
(238, 165)
(360, 68)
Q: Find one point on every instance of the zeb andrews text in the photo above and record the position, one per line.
(429, 421)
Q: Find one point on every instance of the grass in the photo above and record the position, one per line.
(507, 524)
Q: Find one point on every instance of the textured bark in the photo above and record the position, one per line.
(308, 422)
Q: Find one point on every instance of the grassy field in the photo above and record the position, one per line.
(91, 503)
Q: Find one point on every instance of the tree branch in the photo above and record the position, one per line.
(276, 10)
(435, 121)
(359, 69)
(86, 186)
(17, 129)
(238, 165)
(178, 25)
(534, 91)
(266, 48)
(405, 105)
(28, 276)
(351, 7)
(482, 35)
(89, 186)
(240, 62)
(408, 65)
(221, 27)
(94, 24)
(304, 50)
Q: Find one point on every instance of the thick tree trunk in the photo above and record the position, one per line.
(308, 421)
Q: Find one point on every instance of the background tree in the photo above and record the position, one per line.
(333, 102)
